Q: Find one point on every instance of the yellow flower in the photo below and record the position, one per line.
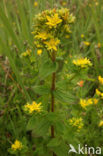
(100, 79)
(66, 16)
(96, 3)
(52, 44)
(71, 19)
(99, 45)
(66, 62)
(17, 145)
(87, 102)
(68, 75)
(101, 123)
(95, 101)
(82, 35)
(99, 93)
(90, 101)
(38, 45)
(64, 13)
(67, 36)
(26, 53)
(45, 23)
(67, 28)
(76, 122)
(42, 35)
(84, 103)
(63, 3)
(33, 107)
(53, 21)
(86, 43)
(82, 62)
(35, 4)
(39, 52)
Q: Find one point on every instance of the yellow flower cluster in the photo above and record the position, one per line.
(82, 62)
(52, 44)
(76, 122)
(33, 107)
(42, 35)
(53, 21)
(17, 145)
(26, 53)
(50, 26)
(100, 79)
(86, 102)
(99, 93)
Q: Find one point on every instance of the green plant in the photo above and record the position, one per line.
(51, 82)
(48, 38)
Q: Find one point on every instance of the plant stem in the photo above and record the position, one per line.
(52, 101)
(52, 96)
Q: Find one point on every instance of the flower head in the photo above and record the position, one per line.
(52, 44)
(82, 62)
(17, 145)
(42, 35)
(35, 4)
(63, 3)
(53, 21)
(26, 53)
(99, 93)
(67, 36)
(67, 28)
(95, 101)
(87, 102)
(100, 79)
(101, 123)
(99, 45)
(86, 43)
(82, 35)
(84, 103)
(50, 26)
(39, 52)
(33, 107)
(76, 122)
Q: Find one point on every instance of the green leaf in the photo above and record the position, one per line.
(55, 117)
(54, 142)
(42, 90)
(59, 127)
(61, 150)
(47, 69)
(39, 125)
(31, 123)
(52, 117)
(64, 96)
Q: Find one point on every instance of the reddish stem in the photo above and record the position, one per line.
(52, 97)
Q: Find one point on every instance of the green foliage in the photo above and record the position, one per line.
(24, 79)
(47, 69)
